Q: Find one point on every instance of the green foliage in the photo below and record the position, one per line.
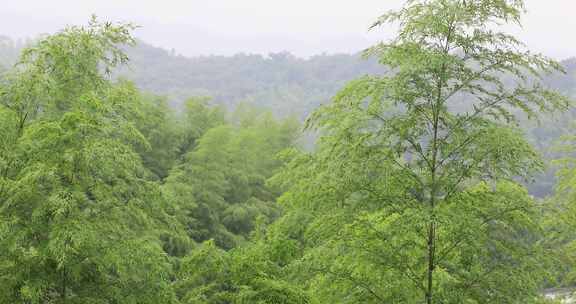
(220, 184)
(80, 220)
(242, 276)
(560, 220)
(411, 194)
(104, 189)
(280, 82)
(286, 84)
(156, 122)
(199, 117)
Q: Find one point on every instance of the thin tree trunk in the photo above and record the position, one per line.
(63, 291)
(431, 255)
(432, 225)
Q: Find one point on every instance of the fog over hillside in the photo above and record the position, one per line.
(274, 152)
(288, 85)
(225, 27)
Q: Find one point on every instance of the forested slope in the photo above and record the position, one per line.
(280, 82)
(104, 189)
(288, 85)
(123, 181)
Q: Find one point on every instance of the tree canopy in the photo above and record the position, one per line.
(415, 190)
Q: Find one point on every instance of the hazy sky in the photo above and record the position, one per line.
(303, 27)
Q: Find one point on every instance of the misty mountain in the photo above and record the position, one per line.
(280, 81)
(289, 85)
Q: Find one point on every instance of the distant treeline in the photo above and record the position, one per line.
(181, 180)
(288, 85)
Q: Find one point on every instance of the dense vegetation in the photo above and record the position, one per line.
(415, 191)
(291, 86)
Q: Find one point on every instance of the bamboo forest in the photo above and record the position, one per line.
(436, 166)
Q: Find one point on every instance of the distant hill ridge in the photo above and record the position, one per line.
(284, 83)
(288, 85)
(279, 81)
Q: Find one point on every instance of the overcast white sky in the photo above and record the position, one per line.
(303, 27)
